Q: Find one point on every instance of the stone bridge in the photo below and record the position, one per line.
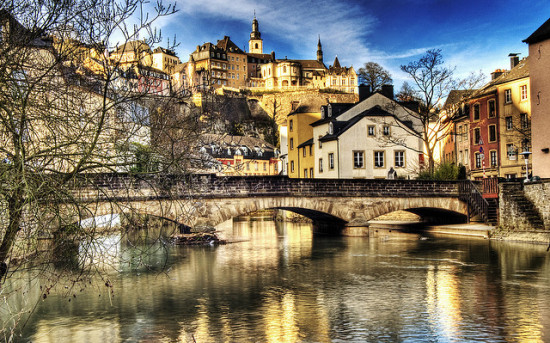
(210, 200)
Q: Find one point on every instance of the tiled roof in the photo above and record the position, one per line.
(455, 96)
(311, 64)
(337, 109)
(521, 70)
(309, 105)
(133, 46)
(540, 34)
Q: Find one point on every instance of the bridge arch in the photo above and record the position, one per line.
(343, 209)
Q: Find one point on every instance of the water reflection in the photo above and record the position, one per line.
(281, 284)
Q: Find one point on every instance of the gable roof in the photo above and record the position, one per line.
(337, 108)
(227, 44)
(540, 34)
(339, 127)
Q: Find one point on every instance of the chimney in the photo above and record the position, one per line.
(497, 73)
(514, 60)
(364, 92)
(387, 90)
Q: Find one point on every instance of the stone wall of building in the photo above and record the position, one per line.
(539, 194)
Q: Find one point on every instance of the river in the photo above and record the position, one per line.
(282, 284)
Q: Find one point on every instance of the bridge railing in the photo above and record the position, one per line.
(172, 185)
(468, 192)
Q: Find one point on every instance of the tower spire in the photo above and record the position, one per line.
(319, 50)
(255, 42)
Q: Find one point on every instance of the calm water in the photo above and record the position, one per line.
(284, 285)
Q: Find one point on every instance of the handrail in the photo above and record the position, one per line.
(468, 192)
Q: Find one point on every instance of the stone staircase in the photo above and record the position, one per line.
(492, 211)
(525, 214)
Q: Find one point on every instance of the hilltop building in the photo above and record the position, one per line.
(225, 65)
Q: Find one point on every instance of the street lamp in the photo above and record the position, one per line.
(526, 156)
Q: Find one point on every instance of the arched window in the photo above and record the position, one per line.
(256, 46)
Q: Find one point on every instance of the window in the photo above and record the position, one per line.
(386, 130)
(311, 150)
(331, 161)
(320, 165)
(524, 120)
(358, 159)
(511, 152)
(477, 136)
(320, 143)
(330, 128)
(492, 133)
(466, 157)
(509, 123)
(491, 109)
(370, 130)
(311, 173)
(508, 96)
(292, 166)
(523, 91)
(379, 159)
(304, 152)
(493, 155)
(247, 165)
(476, 112)
(292, 144)
(291, 125)
(305, 173)
(265, 166)
(478, 160)
(399, 158)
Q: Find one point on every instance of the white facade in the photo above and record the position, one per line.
(370, 140)
(368, 149)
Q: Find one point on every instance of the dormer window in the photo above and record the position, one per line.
(323, 112)
(329, 111)
(331, 128)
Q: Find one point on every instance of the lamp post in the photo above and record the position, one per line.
(526, 156)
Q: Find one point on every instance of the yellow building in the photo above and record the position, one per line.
(300, 133)
(514, 104)
(306, 159)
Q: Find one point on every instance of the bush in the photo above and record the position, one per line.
(444, 171)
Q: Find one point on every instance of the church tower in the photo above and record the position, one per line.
(319, 51)
(255, 44)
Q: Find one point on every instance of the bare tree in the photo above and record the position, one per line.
(69, 109)
(375, 76)
(432, 82)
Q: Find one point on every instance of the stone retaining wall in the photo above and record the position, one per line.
(539, 193)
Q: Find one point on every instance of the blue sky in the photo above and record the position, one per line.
(473, 35)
